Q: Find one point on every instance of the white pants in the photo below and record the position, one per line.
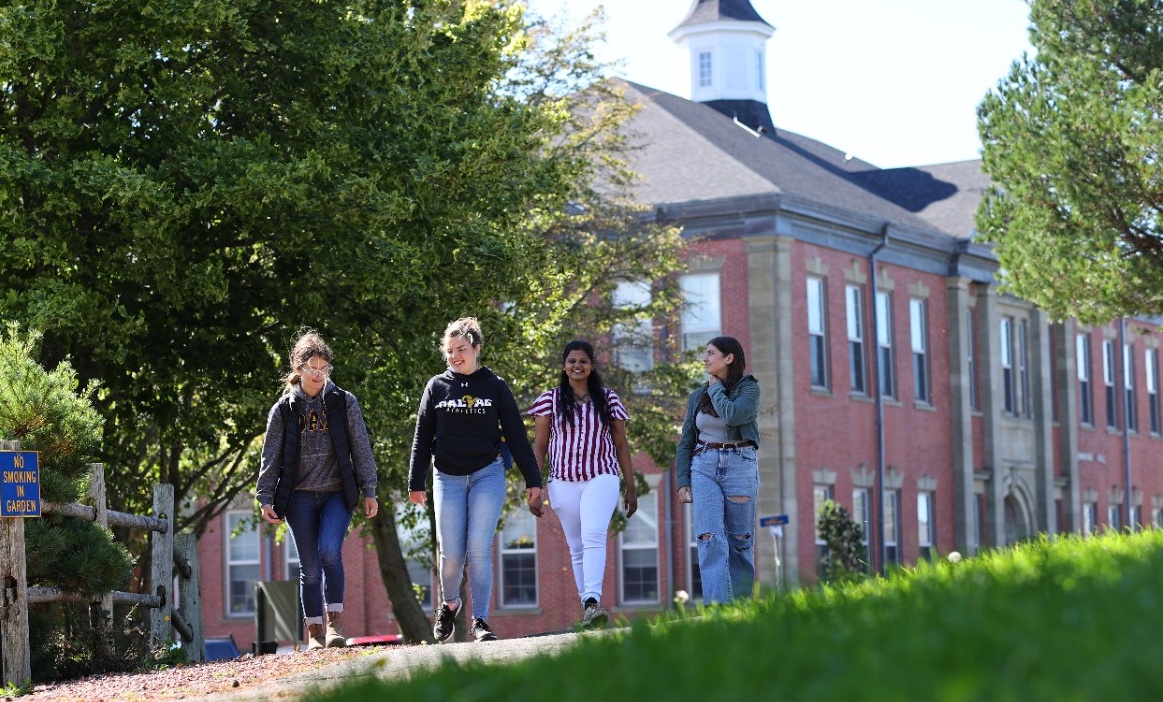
(584, 510)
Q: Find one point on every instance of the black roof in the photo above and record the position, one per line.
(711, 10)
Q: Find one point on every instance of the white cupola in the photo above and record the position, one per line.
(725, 42)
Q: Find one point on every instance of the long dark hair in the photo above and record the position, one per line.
(728, 346)
(566, 407)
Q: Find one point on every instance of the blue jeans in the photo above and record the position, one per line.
(468, 508)
(725, 486)
(318, 523)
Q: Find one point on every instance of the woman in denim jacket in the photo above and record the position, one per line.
(716, 469)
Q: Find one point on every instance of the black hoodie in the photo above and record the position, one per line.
(461, 423)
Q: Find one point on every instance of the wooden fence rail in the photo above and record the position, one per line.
(170, 554)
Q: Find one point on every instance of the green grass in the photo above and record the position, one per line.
(1063, 619)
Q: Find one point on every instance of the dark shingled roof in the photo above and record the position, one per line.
(691, 152)
(713, 10)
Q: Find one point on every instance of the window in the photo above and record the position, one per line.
(518, 552)
(1114, 517)
(892, 553)
(817, 332)
(701, 311)
(1136, 518)
(977, 523)
(925, 525)
(820, 495)
(1023, 358)
(1129, 407)
(291, 556)
(639, 552)
(242, 549)
(1089, 518)
(1085, 392)
(1007, 364)
(971, 356)
(884, 364)
(1108, 379)
(861, 511)
(1151, 370)
(854, 297)
(633, 340)
(704, 69)
(919, 336)
(694, 576)
(412, 530)
(1157, 517)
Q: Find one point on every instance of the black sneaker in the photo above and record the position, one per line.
(594, 614)
(481, 630)
(445, 625)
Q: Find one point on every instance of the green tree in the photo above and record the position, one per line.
(1072, 141)
(844, 538)
(50, 413)
(182, 187)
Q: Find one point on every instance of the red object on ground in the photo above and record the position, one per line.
(377, 640)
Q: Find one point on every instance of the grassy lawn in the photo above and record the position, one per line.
(1063, 619)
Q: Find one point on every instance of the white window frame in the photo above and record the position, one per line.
(706, 69)
(645, 523)
(633, 344)
(1023, 361)
(919, 338)
(231, 520)
(702, 313)
(857, 355)
(1007, 366)
(517, 539)
(1130, 399)
(1108, 379)
(1085, 386)
(885, 356)
(892, 523)
(818, 332)
(926, 524)
(862, 515)
(971, 355)
(1151, 371)
(820, 495)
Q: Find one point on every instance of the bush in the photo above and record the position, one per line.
(844, 537)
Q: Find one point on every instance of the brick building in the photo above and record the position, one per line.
(890, 364)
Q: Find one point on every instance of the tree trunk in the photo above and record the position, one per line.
(413, 622)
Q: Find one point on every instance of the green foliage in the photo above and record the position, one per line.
(1072, 142)
(1064, 619)
(47, 412)
(843, 561)
(74, 646)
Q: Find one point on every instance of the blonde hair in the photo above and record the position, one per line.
(307, 346)
(467, 327)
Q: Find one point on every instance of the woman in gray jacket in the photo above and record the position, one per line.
(717, 470)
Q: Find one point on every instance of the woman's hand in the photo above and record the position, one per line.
(268, 514)
(370, 507)
(684, 494)
(418, 497)
(631, 498)
(533, 497)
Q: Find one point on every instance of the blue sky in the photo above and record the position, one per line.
(893, 82)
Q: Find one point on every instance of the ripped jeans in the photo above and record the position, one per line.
(725, 486)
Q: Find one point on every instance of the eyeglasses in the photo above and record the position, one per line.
(323, 372)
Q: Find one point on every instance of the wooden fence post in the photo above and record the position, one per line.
(190, 595)
(162, 572)
(103, 618)
(15, 657)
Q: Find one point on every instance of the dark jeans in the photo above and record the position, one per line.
(318, 522)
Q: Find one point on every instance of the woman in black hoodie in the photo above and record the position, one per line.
(465, 414)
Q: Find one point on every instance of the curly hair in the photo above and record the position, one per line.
(309, 345)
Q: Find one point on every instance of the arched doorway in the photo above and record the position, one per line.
(1018, 526)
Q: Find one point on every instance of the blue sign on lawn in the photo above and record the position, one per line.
(19, 484)
(773, 521)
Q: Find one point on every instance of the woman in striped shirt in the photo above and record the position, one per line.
(582, 425)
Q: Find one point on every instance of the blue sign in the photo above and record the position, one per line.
(19, 484)
(773, 521)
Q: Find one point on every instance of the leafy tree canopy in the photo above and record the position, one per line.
(1073, 141)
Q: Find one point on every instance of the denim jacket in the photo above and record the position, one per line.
(740, 410)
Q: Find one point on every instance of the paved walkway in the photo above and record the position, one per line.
(400, 662)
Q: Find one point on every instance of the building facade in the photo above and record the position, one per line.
(898, 378)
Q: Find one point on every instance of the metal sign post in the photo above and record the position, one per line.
(774, 526)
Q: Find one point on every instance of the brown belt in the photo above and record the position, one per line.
(704, 445)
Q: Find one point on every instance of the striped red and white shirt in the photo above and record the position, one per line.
(585, 449)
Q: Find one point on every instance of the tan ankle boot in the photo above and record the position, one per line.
(335, 637)
(315, 636)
